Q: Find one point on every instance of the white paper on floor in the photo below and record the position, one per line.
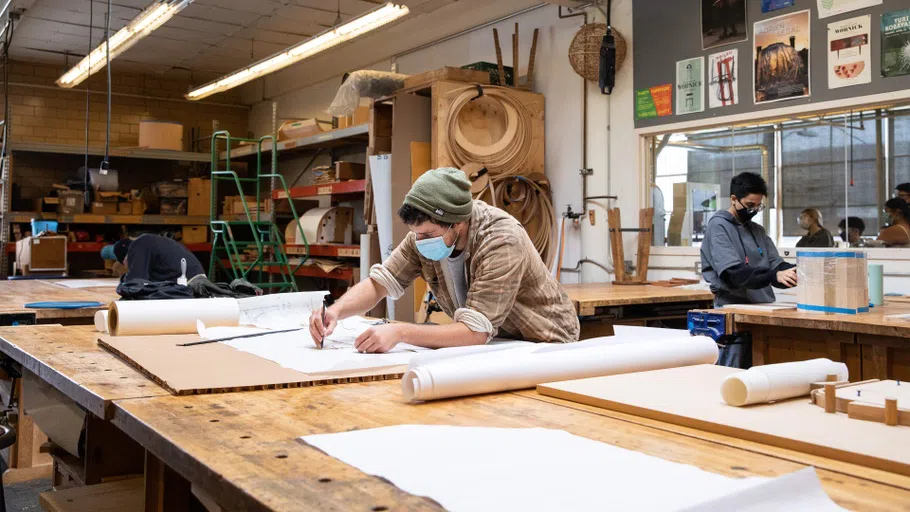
(480, 469)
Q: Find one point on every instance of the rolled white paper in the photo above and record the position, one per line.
(521, 368)
(149, 317)
(771, 382)
(101, 321)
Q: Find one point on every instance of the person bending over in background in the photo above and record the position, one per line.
(897, 234)
(811, 220)
(155, 258)
(854, 235)
(479, 263)
(903, 191)
(740, 261)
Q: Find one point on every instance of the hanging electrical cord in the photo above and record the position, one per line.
(105, 164)
(88, 94)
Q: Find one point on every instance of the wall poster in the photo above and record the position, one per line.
(690, 86)
(773, 5)
(781, 58)
(654, 102)
(723, 22)
(896, 43)
(849, 52)
(832, 7)
(723, 79)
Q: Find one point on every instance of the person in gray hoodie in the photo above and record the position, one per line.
(740, 261)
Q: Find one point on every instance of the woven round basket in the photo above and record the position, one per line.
(584, 52)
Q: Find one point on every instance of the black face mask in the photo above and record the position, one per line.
(744, 215)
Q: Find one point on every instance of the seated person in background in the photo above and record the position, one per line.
(854, 235)
(480, 265)
(903, 191)
(897, 234)
(155, 258)
(811, 220)
(740, 261)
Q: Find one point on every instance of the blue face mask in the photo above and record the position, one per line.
(435, 248)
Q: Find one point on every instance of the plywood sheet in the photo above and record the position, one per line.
(690, 396)
(216, 367)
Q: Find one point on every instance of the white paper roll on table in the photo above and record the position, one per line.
(761, 384)
(148, 317)
(101, 321)
(506, 370)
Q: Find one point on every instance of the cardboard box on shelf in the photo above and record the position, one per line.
(71, 202)
(349, 170)
(200, 196)
(361, 115)
(161, 135)
(298, 129)
(195, 234)
(138, 206)
(46, 253)
(104, 207)
(125, 208)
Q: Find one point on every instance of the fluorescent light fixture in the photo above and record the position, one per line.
(142, 25)
(323, 41)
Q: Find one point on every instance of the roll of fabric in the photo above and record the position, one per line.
(761, 384)
(522, 368)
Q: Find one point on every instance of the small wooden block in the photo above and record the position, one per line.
(891, 411)
(831, 377)
(830, 398)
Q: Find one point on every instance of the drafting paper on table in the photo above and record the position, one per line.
(896, 43)
(381, 179)
(723, 81)
(781, 58)
(690, 86)
(849, 52)
(501, 469)
(832, 7)
(280, 310)
(88, 283)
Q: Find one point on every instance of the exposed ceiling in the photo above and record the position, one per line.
(209, 37)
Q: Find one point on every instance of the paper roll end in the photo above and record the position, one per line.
(101, 321)
(113, 319)
(734, 391)
(410, 386)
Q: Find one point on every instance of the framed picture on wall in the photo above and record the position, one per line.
(781, 58)
(723, 22)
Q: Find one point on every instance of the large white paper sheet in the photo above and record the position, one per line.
(495, 469)
(88, 283)
(280, 310)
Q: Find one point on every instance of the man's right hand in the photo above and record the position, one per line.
(787, 277)
(319, 331)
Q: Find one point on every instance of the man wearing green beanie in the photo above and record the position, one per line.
(480, 265)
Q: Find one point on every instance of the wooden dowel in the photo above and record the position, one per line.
(500, 67)
(515, 73)
(831, 377)
(531, 59)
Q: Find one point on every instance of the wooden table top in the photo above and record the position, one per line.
(875, 322)
(15, 294)
(587, 296)
(244, 447)
(70, 359)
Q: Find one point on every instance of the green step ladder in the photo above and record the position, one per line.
(234, 240)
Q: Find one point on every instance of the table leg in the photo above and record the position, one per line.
(165, 489)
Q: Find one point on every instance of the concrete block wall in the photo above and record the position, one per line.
(43, 112)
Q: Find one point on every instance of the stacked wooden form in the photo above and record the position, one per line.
(832, 282)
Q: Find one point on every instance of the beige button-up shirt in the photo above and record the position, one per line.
(510, 290)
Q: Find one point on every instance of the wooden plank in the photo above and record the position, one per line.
(771, 344)
(596, 295)
(689, 396)
(70, 359)
(259, 464)
(121, 496)
(14, 295)
(216, 367)
(447, 73)
(646, 221)
(165, 490)
(879, 321)
(614, 221)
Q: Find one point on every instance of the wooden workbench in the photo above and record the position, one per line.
(15, 294)
(242, 448)
(602, 305)
(872, 345)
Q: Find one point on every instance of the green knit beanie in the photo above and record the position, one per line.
(444, 194)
